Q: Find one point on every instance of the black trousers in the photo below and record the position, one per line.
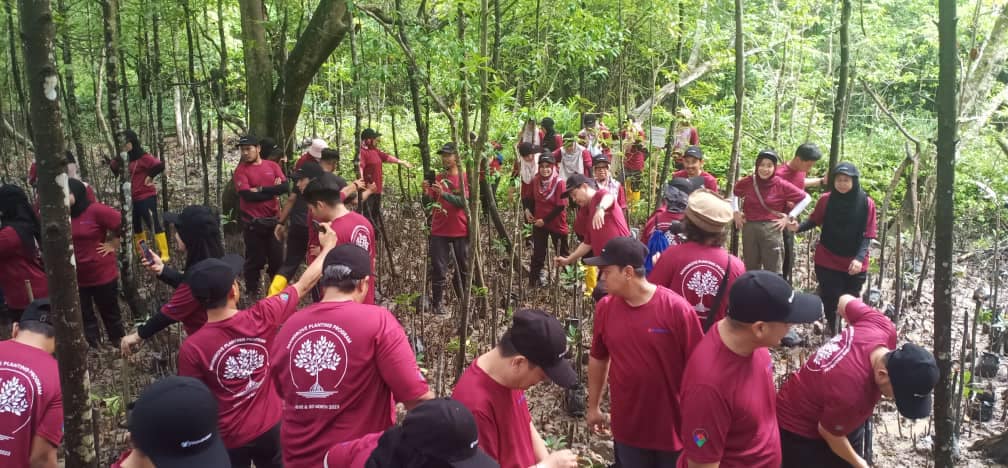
(371, 209)
(800, 452)
(832, 285)
(633, 457)
(297, 250)
(261, 249)
(540, 245)
(441, 251)
(789, 256)
(264, 451)
(145, 213)
(105, 298)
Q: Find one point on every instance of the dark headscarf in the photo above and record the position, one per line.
(676, 193)
(16, 212)
(137, 151)
(81, 202)
(846, 215)
(199, 228)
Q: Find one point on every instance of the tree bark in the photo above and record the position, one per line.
(14, 68)
(73, 110)
(840, 103)
(37, 32)
(258, 67)
(945, 437)
(733, 170)
(194, 88)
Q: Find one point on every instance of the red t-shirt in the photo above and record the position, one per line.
(615, 224)
(89, 230)
(634, 160)
(836, 387)
(232, 357)
(502, 417)
(546, 202)
(183, 307)
(249, 176)
(647, 347)
(352, 453)
(351, 228)
(303, 159)
(337, 367)
(139, 170)
(709, 181)
(371, 160)
(823, 256)
(19, 267)
(796, 178)
(662, 220)
(728, 403)
(776, 193)
(448, 220)
(32, 401)
(695, 271)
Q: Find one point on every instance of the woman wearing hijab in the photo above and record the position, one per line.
(551, 140)
(548, 217)
(21, 268)
(142, 169)
(765, 198)
(847, 217)
(97, 270)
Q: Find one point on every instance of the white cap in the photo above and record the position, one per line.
(316, 148)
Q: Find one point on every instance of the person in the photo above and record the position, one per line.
(551, 140)
(230, 354)
(605, 181)
(313, 153)
(259, 182)
(330, 159)
(32, 420)
(526, 167)
(822, 408)
(449, 227)
(97, 268)
(530, 134)
(143, 168)
(572, 158)
(764, 213)
(683, 135)
(371, 160)
(729, 417)
(796, 172)
(269, 150)
(599, 220)
(338, 364)
(198, 237)
(548, 218)
(643, 335)
(595, 134)
(436, 434)
(73, 172)
(700, 269)
(631, 129)
(633, 166)
(693, 162)
(847, 216)
(292, 226)
(22, 276)
(493, 387)
(174, 424)
(667, 219)
(324, 197)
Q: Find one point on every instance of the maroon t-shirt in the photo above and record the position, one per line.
(371, 160)
(776, 193)
(826, 259)
(709, 181)
(339, 367)
(647, 347)
(836, 387)
(183, 307)
(351, 228)
(19, 266)
(352, 453)
(89, 230)
(796, 178)
(662, 220)
(303, 159)
(32, 401)
(615, 224)
(695, 271)
(139, 171)
(232, 357)
(728, 403)
(448, 220)
(249, 176)
(502, 417)
(547, 197)
(634, 161)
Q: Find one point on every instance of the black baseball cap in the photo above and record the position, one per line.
(191, 215)
(693, 152)
(309, 169)
(174, 422)
(211, 279)
(764, 296)
(575, 181)
(768, 154)
(600, 159)
(542, 340)
(448, 148)
(323, 184)
(546, 158)
(683, 184)
(846, 169)
(445, 430)
(622, 251)
(369, 133)
(40, 310)
(350, 256)
(248, 140)
(330, 154)
(913, 374)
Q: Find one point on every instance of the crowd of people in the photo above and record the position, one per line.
(679, 341)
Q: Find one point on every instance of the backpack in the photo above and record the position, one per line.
(664, 236)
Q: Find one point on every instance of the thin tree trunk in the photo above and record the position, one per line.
(733, 171)
(356, 92)
(840, 104)
(195, 90)
(158, 82)
(221, 98)
(73, 110)
(16, 75)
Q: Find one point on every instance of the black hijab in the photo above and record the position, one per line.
(16, 212)
(137, 151)
(846, 215)
(198, 227)
(81, 202)
(392, 453)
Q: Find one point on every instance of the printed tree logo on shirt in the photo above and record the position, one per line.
(359, 237)
(830, 354)
(12, 397)
(243, 366)
(314, 358)
(17, 397)
(703, 284)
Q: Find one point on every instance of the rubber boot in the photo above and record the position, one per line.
(634, 197)
(278, 284)
(591, 279)
(137, 238)
(162, 245)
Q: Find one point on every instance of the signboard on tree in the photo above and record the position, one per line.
(658, 135)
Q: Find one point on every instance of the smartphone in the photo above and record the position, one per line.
(318, 227)
(147, 252)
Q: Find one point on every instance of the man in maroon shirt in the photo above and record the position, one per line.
(795, 171)
(693, 162)
(31, 425)
(643, 335)
(548, 217)
(449, 227)
(340, 365)
(493, 388)
(822, 408)
(259, 182)
(729, 417)
(371, 160)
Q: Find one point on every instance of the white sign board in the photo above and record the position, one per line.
(658, 135)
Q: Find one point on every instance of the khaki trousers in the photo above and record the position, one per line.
(762, 246)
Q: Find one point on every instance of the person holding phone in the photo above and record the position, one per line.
(449, 227)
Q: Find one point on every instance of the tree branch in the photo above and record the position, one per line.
(885, 110)
(9, 130)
